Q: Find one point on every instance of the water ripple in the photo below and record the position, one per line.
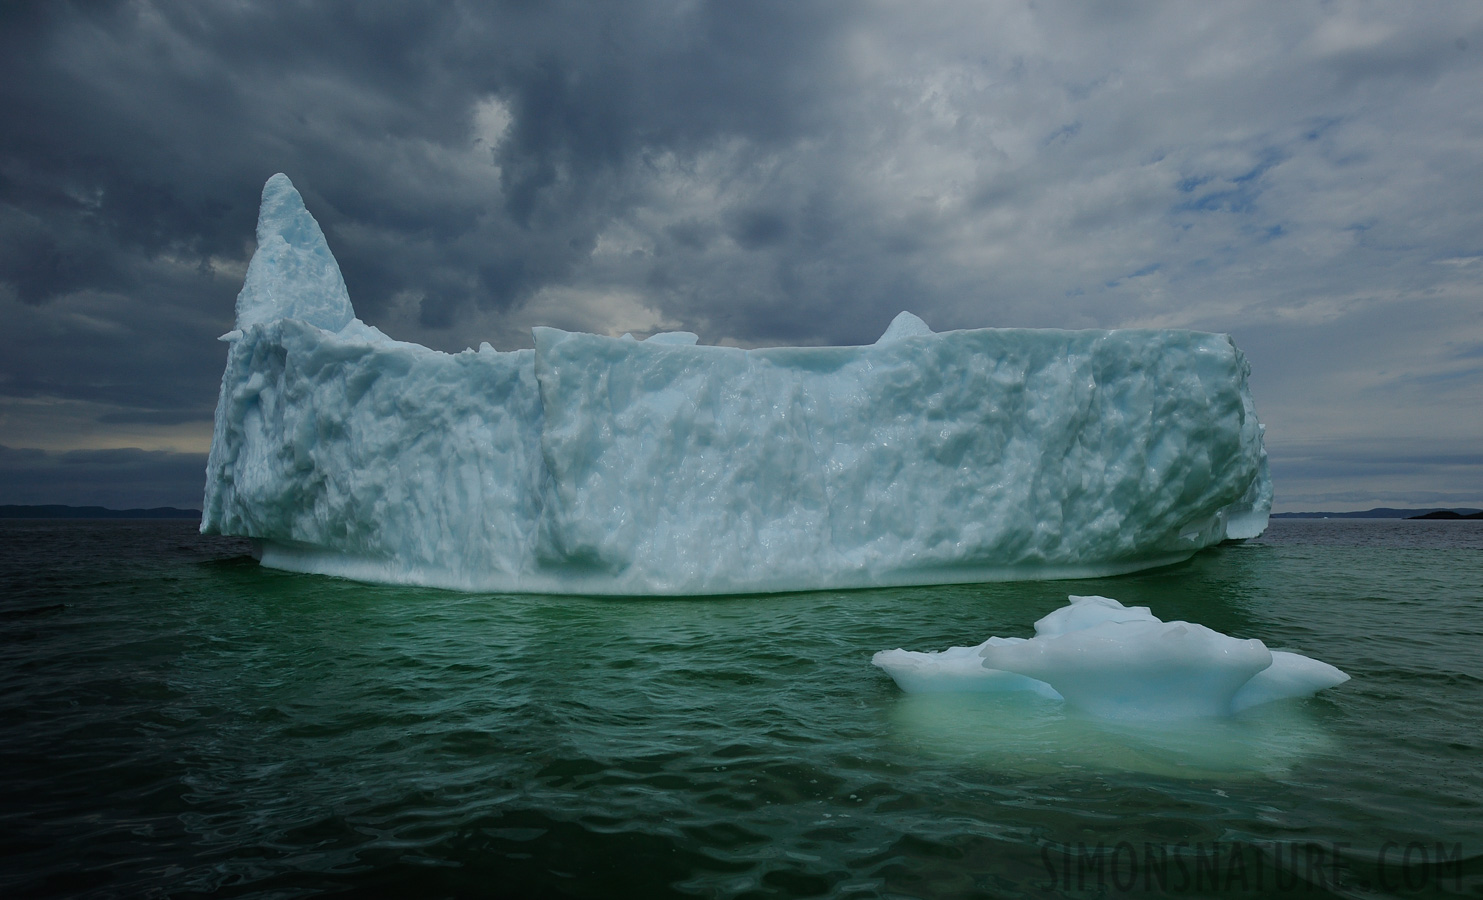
(177, 720)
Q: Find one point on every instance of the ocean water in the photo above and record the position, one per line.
(177, 721)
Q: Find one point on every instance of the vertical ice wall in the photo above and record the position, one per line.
(598, 465)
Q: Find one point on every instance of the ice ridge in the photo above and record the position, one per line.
(609, 466)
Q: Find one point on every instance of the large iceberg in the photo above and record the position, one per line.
(1118, 662)
(604, 465)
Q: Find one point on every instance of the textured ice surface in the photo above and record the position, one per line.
(615, 466)
(957, 670)
(1119, 662)
(292, 275)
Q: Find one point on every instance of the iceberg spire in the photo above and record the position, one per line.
(905, 325)
(292, 275)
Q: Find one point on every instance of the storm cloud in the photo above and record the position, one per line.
(1307, 177)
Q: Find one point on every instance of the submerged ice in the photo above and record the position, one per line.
(1119, 662)
(599, 465)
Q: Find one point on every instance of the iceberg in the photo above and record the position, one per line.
(1119, 662)
(615, 466)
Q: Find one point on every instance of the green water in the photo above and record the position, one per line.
(178, 721)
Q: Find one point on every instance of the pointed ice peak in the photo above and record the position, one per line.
(905, 325)
(292, 275)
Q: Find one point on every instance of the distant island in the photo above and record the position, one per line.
(58, 511)
(1449, 514)
(1386, 512)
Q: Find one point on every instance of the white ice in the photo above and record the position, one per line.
(1119, 662)
(610, 466)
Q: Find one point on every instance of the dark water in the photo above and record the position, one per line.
(177, 721)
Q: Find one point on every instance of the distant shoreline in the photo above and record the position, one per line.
(59, 511)
(1386, 512)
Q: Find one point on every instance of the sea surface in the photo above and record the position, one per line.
(177, 721)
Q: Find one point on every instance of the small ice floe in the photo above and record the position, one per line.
(1119, 662)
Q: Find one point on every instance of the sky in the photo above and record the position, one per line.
(1307, 177)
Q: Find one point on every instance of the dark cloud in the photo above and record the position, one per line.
(776, 172)
(1348, 462)
(149, 127)
(755, 229)
(118, 479)
(1342, 475)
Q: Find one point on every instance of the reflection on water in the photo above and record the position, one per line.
(1027, 734)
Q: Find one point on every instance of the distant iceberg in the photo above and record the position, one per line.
(1118, 662)
(600, 465)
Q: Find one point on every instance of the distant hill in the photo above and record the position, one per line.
(1449, 514)
(1382, 512)
(57, 511)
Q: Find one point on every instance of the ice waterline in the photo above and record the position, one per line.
(601, 465)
